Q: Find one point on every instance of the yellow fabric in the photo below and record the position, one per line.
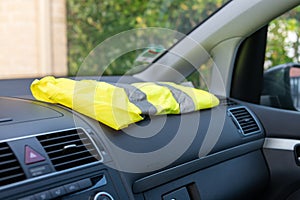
(160, 97)
(201, 98)
(110, 104)
(99, 100)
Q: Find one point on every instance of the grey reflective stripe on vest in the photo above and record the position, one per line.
(186, 103)
(138, 98)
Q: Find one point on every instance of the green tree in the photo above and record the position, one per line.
(89, 22)
(283, 39)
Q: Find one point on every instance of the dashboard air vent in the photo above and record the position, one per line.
(69, 149)
(226, 102)
(244, 120)
(10, 169)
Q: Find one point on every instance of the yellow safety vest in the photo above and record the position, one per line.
(119, 105)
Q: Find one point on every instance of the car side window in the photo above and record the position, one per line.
(281, 87)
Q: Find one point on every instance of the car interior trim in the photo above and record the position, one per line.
(176, 172)
(280, 143)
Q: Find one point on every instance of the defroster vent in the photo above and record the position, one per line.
(69, 149)
(10, 169)
(244, 120)
(226, 102)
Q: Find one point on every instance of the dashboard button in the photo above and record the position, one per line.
(43, 196)
(85, 183)
(57, 192)
(103, 196)
(72, 187)
(31, 156)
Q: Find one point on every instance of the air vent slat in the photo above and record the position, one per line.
(244, 120)
(239, 113)
(242, 114)
(71, 164)
(62, 143)
(7, 162)
(5, 155)
(7, 178)
(71, 154)
(75, 160)
(10, 169)
(242, 124)
(250, 129)
(67, 149)
(58, 138)
(61, 150)
(246, 126)
(4, 148)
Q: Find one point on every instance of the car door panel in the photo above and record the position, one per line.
(282, 137)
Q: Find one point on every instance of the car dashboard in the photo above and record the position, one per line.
(51, 152)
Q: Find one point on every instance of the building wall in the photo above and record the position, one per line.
(33, 39)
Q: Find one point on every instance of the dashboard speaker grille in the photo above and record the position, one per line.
(244, 120)
(69, 149)
(10, 169)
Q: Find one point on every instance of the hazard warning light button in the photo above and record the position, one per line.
(31, 156)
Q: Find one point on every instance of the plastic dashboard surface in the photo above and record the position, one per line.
(160, 155)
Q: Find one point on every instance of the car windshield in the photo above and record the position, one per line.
(40, 38)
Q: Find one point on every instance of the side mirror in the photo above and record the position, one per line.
(281, 87)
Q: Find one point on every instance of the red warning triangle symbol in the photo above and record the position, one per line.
(31, 156)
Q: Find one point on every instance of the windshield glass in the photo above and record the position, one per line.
(41, 38)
